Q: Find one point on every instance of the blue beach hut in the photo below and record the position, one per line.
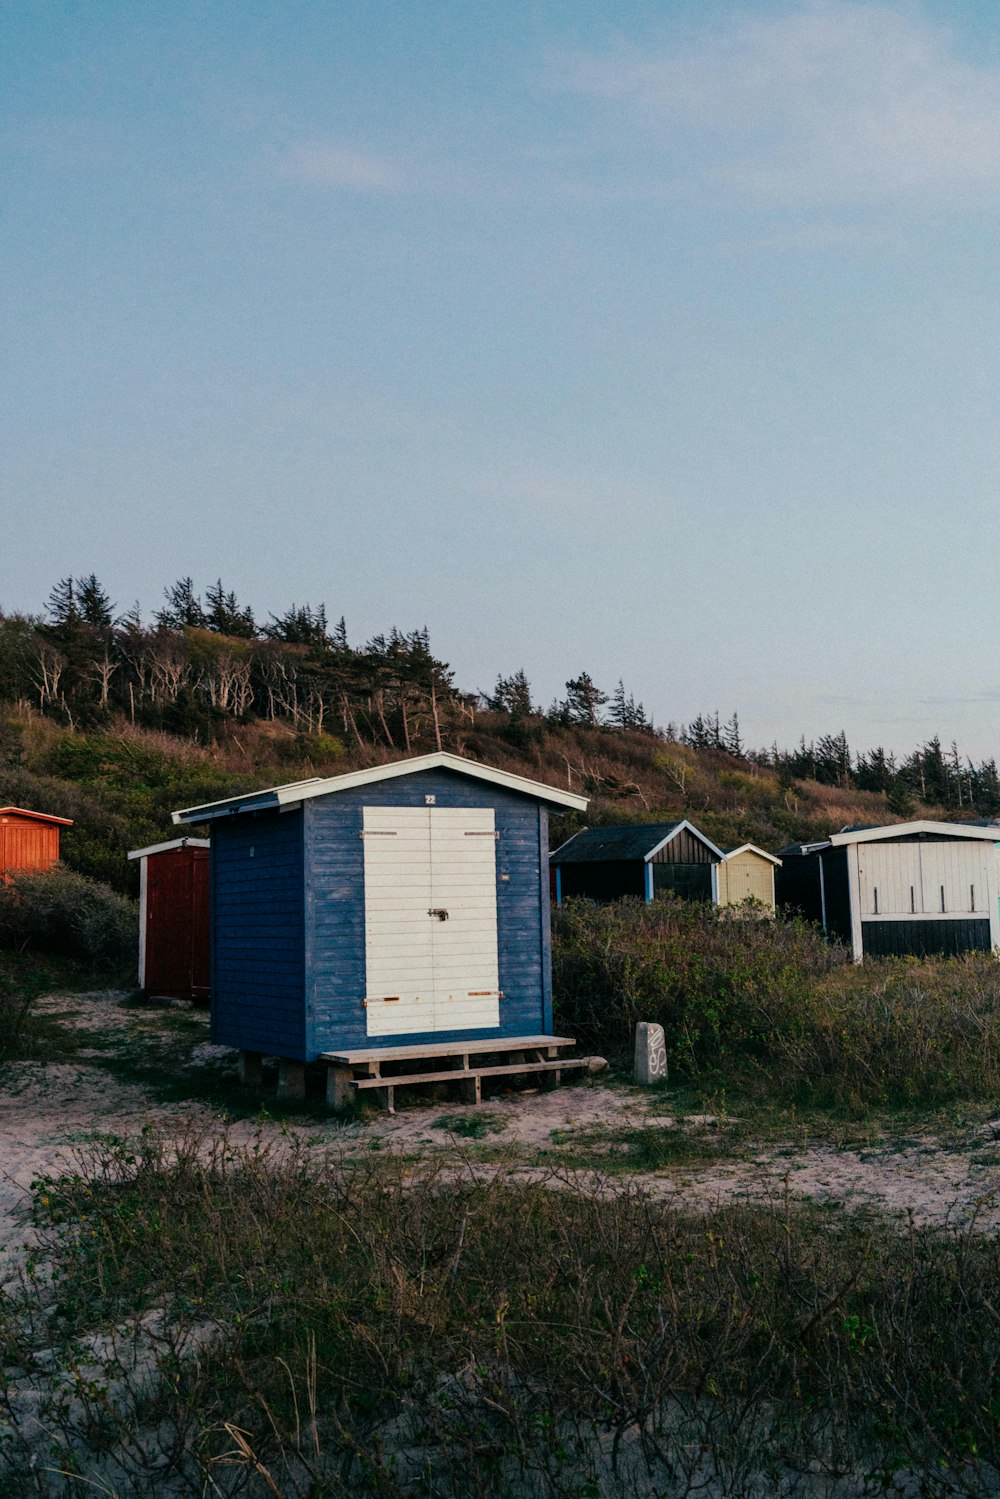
(397, 908)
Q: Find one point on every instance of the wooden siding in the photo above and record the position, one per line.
(176, 909)
(925, 938)
(837, 890)
(427, 972)
(746, 876)
(258, 939)
(684, 848)
(605, 880)
(689, 881)
(936, 878)
(335, 909)
(27, 844)
(797, 887)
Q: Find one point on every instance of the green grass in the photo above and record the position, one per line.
(471, 1125)
(487, 1327)
(25, 1033)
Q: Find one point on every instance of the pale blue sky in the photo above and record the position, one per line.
(660, 340)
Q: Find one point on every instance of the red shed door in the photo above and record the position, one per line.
(176, 959)
(200, 938)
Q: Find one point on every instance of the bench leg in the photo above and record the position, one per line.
(386, 1098)
(551, 1079)
(251, 1070)
(291, 1080)
(472, 1089)
(339, 1089)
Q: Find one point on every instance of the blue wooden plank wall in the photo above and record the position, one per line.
(258, 938)
(335, 918)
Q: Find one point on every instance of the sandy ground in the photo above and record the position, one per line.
(49, 1111)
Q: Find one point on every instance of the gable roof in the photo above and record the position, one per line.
(796, 850)
(289, 795)
(164, 848)
(63, 822)
(623, 843)
(749, 848)
(924, 825)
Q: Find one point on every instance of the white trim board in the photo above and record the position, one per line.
(277, 797)
(162, 848)
(680, 828)
(750, 848)
(908, 829)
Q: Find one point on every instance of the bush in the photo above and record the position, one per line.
(708, 978)
(206, 1317)
(57, 910)
(771, 1007)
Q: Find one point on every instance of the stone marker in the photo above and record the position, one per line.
(650, 1053)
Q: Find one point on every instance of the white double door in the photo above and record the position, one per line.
(430, 919)
(926, 879)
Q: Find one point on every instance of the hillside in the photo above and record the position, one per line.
(120, 782)
(114, 722)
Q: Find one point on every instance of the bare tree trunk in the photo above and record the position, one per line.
(381, 714)
(437, 721)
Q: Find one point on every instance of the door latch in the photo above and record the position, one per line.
(439, 912)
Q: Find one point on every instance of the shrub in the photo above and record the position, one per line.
(772, 1007)
(57, 910)
(202, 1313)
(706, 977)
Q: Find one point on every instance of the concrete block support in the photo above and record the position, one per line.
(650, 1053)
(251, 1070)
(338, 1087)
(291, 1080)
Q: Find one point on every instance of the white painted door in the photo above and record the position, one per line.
(924, 879)
(890, 876)
(399, 974)
(464, 941)
(956, 878)
(430, 919)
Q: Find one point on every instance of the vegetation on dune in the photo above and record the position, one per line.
(248, 1319)
(59, 911)
(770, 1008)
(115, 722)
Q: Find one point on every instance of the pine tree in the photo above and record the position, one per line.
(512, 695)
(62, 607)
(225, 615)
(584, 700)
(618, 713)
(299, 626)
(732, 741)
(183, 607)
(96, 609)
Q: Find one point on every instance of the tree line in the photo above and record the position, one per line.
(204, 662)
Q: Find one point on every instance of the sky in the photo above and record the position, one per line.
(656, 340)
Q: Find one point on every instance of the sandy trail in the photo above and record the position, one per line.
(49, 1111)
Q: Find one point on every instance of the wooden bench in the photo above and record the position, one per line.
(350, 1071)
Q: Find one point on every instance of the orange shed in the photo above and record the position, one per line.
(29, 840)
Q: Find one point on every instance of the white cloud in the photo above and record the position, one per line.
(829, 102)
(334, 165)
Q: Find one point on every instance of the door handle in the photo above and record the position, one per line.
(439, 912)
